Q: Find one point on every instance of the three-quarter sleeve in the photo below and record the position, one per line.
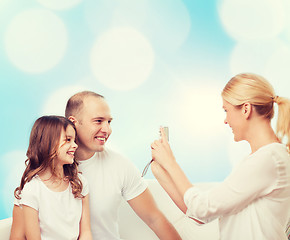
(256, 176)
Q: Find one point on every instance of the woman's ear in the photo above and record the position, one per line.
(247, 110)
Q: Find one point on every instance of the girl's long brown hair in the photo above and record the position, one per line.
(42, 150)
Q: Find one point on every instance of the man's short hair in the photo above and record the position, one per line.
(75, 103)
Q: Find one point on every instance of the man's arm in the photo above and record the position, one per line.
(145, 207)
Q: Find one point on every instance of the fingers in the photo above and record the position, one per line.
(155, 144)
(163, 135)
(157, 170)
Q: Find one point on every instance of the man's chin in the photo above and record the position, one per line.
(100, 148)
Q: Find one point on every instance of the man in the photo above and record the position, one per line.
(111, 177)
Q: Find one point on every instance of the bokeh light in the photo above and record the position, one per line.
(59, 4)
(168, 25)
(36, 40)
(247, 20)
(199, 109)
(55, 104)
(122, 59)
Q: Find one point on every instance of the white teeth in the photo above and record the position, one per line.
(101, 138)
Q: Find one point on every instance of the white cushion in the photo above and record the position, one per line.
(132, 227)
(5, 226)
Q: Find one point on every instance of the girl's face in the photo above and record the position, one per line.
(67, 146)
(236, 120)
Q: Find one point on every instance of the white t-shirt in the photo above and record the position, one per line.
(59, 213)
(111, 177)
(253, 202)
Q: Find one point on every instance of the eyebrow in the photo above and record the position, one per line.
(69, 136)
(102, 118)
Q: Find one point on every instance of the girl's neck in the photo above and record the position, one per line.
(49, 174)
(54, 181)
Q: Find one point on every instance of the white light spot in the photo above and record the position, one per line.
(56, 102)
(122, 59)
(166, 25)
(267, 58)
(253, 56)
(36, 40)
(252, 19)
(277, 71)
(199, 110)
(59, 4)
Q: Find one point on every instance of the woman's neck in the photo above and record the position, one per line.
(261, 134)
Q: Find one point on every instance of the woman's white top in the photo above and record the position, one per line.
(253, 202)
(59, 212)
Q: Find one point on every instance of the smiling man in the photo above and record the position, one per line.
(111, 177)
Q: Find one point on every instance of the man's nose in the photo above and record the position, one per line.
(106, 127)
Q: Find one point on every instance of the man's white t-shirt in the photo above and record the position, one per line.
(253, 202)
(59, 213)
(111, 177)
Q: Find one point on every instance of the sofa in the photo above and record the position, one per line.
(131, 227)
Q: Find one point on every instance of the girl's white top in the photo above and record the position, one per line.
(254, 200)
(59, 212)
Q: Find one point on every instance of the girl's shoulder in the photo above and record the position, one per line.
(35, 181)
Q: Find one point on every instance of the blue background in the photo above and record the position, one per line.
(156, 62)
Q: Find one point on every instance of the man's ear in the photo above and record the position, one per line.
(73, 119)
(247, 110)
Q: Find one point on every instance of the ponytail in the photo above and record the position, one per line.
(283, 121)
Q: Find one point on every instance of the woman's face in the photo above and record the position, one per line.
(236, 120)
(67, 146)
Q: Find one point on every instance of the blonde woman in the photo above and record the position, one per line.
(253, 202)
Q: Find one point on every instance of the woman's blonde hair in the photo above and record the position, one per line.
(256, 90)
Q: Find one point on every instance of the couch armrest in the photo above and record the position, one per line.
(5, 227)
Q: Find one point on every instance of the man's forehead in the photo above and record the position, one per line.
(95, 103)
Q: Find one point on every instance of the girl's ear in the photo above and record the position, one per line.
(247, 110)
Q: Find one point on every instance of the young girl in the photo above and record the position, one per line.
(253, 202)
(53, 196)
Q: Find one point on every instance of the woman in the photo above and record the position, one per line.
(253, 202)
